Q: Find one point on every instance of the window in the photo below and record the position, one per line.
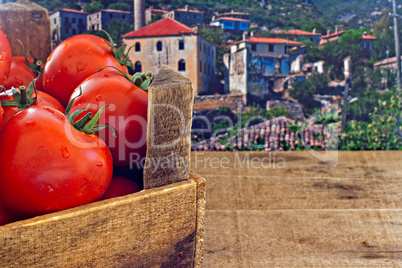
(200, 46)
(80, 21)
(200, 66)
(74, 31)
(205, 49)
(124, 16)
(110, 15)
(55, 21)
(89, 18)
(97, 15)
(137, 47)
(271, 48)
(286, 49)
(66, 20)
(253, 47)
(159, 46)
(182, 65)
(138, 67)
(208, 50)
(73, 20)
(181, 44)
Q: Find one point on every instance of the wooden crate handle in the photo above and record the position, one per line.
(170, 107)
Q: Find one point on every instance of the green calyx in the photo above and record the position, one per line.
(22, 97)
(87, 123)
(36, 66)
(119, 54)
(141, 80)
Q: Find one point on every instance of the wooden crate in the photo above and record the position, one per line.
(161, 226)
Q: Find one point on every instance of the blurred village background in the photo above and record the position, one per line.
(267, 75)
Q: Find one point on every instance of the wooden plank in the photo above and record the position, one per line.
(271, 193)
(150, 228)
(171, 97)
(303, 238)
(201, 206)
(351, 164)
(28, 22)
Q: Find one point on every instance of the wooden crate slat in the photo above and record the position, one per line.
(153, 227)
(170, 107)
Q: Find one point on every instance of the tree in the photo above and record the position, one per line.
(93, 7)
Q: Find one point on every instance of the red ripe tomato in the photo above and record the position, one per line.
(73, 60)
(5, 57)
(126, 114)
(21, 75)
(120, 186)
(47, 165)
(43, 99)
(1, 115)
(5, 216)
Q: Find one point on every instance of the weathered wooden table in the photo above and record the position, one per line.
(292, 210)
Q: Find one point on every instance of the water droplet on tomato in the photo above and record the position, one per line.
(30, 123)
(98, 98)
(65, 45)
(99, 164)
(49, 189)
(59, 71)
(49, 58)
(64, 152)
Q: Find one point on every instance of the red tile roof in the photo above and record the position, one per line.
(189, 10)
(72, 10)
(271, 133)
(159, 10)
(368, 37)
(333, 35)
(386, 62)
(163, 27)
(295, 32)
(231, 19)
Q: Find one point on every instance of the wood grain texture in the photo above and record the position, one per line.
(28, 22)
(304, 213)
(171, 97)
(152, 228)
(201, 206)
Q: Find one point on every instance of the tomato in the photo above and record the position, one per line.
(21, 74)
(5, 216)
(120, 186)
(47, 165)
(127, 113)
(1, 115)
(5, 57)
(43, 99)
(73, 60)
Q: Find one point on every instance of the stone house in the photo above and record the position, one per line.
(169, 42)
(100, 20)
(153, 14)
(259, 66)
(234, 25)
(65, 23)
(186, 16)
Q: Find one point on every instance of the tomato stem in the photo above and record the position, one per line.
(87, 123)
(22, 97)
(23, 94)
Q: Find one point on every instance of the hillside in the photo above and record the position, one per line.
(355, 13)
(267, 14)
(307, 14)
